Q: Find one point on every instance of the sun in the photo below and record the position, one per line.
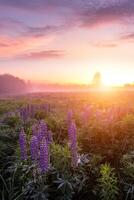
(113, 79)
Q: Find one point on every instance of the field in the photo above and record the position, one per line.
(67, 146)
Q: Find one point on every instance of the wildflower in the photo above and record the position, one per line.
(44, 156)
(42, 129)
(22, 142)
(43, 132)
(34, 148)
(69, 117)
(73, 144)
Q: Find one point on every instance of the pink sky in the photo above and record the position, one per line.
(61, 41)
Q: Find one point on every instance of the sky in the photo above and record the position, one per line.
(67, 41)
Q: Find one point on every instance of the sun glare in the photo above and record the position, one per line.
(114, 79)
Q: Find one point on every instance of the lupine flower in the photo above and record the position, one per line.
(69, 117)
(42, 130)
(44, 156)
(74, 156)
(73, 144)
(34, 148)
(39, 135)
(22, 142)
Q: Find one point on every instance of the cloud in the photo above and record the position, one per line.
(6, 23)
(3, 45)
(17, 37)
(7, 42)
(9, 25)
(107, 13)
(42, 31)
(127, 36)
(86, 13)
(11, 47)
(105, 45)
(23, 34)
(89, 12)
(36, 4)
(47, 54)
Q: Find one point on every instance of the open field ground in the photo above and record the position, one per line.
(67, 146)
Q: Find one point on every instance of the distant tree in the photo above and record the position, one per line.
(11, 85)
(97, 79)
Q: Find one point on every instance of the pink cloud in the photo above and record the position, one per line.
(42, 55)
(12, 47)
(105, 44)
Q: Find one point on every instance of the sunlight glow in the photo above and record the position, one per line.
(114, 79)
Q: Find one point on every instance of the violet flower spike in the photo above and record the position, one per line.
(44, 156)
(69, 118)
(73, 144)
(22, 142)
(34, 148)
(43, 129)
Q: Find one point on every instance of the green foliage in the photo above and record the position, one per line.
(128, 122)
(37, 187)
(58, 127)
(127, 169)
(9, 188)
(40, 114)
(128, 165)
(7, 105)
(99, 142)
(85, 177)
(12, 121)
(108, 183)
(65, 189)
(8, 144)
(60, 158)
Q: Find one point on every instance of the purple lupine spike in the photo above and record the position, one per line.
(74, 155)
(69, 117)
(73, 144)
(42, 130)
(22, 142)
(44, 156)
(72, 132)
(39, 135)
(34, 148)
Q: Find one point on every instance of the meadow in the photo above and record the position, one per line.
(67, 146)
